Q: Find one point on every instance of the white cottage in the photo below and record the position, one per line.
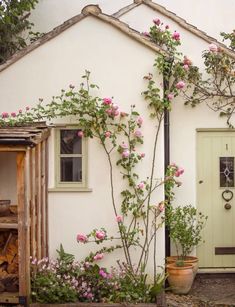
(118, 58)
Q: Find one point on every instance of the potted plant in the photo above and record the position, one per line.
(185, 224)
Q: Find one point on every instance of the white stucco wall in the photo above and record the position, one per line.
(118, 65)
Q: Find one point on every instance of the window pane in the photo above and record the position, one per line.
(71, 169)
(70, 142)
(226, 171)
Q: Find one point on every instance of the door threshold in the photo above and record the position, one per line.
(215, 270)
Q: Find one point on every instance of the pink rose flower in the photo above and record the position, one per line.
(5, 115)
(27, 108)
(125, 153)
(100, 235)
(13, 114)
(140, 185)
(98, 256)
(107, 134)
(109, 111)
(142, 155)
(186, 67)
(170, 96)
(124, 145)
(167, 27)
(20, 111)
(119, 218)
(157, 21)
(107, 101)
(213, 48)
(80, 134)
(146, 34)
(161, 206)
(140, 121)
(102, 273)
(179, 172)
(115, 107)
(180, 85)
(138, 133)
(82, 238)
(176, 36)
(187, 61)
(115, 113)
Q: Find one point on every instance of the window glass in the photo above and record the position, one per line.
(226, 171)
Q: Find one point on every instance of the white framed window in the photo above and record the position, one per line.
(70, 159)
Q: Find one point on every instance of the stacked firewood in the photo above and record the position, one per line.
(9, 280)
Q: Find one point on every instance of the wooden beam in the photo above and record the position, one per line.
(38, 200)
(33, 249)
(12, 148)
(20, 161)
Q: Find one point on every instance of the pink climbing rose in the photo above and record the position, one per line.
(157, 21)
(180, 85)
(82, 238)
(107, 134)
(140, 186)
(213, 48)
(107, 101)
(98, 256)
(140, 121)
(138, 133)
(170, 96)
(179, 172)
(119, 218)
(176, 36)
(100, 235)
(125, 153)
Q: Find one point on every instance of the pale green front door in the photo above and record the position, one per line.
(215, 188)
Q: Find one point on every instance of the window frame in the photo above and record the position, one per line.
(70, 186)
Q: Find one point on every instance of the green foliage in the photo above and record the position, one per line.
(185, 225)
(14, 24)
(230, 37)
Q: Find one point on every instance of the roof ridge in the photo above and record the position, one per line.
(89, 10)
(179, 20)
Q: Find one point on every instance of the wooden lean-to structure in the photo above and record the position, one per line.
(23, 227)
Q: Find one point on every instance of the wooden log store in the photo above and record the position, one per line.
(23, 208)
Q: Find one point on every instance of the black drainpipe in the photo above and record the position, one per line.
(166, 163)
(166, 75)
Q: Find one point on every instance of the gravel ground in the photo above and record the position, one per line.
(208, 290)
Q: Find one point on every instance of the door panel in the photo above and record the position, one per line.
(220, 228)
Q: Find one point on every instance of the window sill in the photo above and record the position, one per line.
(60, 189)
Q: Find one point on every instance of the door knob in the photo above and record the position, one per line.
(227, 206)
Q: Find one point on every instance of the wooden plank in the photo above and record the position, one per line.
(12, 148)
(9, 297)
(46, 200)
(9, 225)
(27, 193)
(20, 161)
(43, 198)
(38, 200)
(33, 249)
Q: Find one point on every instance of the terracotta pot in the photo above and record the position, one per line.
(187, 260)
(180, 278)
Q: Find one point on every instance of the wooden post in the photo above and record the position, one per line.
(33, 250)
(22, 160)
(38, 201)
(43, 198)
